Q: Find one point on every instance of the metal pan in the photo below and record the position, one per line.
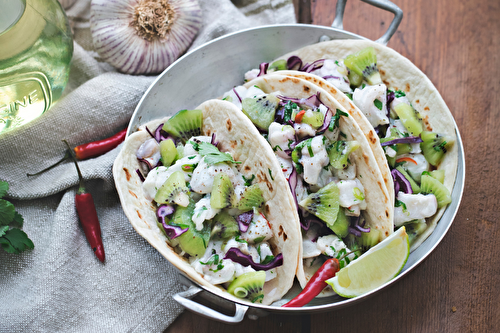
(207, 72)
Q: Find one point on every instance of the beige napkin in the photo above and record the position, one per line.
(61, 285)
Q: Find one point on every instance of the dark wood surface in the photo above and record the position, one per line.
(457, 288)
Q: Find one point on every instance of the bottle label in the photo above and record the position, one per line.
(23, 98)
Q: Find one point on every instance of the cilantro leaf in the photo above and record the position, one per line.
(206, 148)
(213, 155)
(15, 241)
(7, 212)
(18, 219)
(214, 159)
(4, 187)
(378, 104)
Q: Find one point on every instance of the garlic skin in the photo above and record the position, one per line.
(143, 36)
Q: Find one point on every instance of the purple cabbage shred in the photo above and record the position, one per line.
(172, 231)
(244, 221)
(408, 139)
(293, 61)
(239, 257)
(139, 173)
(263, 68)
(400, 182)
(237, 95)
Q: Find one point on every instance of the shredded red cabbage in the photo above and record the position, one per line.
(237, 95)
(292, 181)
(354, 231)
(313, 101)
(141, 177)
(360, 228)
(239, 257)
(293, 61)
(308, 68)
(152, 135)
(390, 97)
(401, 181)
(326, 121)
(331, 77)
(172, 231)
(213, 141)
(279, 116)
(244, 220)
(408, 139)
(263, 68)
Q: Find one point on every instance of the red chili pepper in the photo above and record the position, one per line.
(97, 148)
(406, 159)
(299, 116)
(88, 215)
(91, 149)
(316, 284)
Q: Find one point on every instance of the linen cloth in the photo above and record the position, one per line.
(61, 286)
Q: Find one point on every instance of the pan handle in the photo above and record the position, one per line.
(383, 4)
(184, 298)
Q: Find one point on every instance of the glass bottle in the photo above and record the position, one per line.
(35, 53)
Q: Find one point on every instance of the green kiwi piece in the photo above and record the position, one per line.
(222, 192)
(400, 148)
(314, 118)
(409, 119)
(185, 124)
(339, 151)
(193, 242)
(324, 203)
(341, 225)
(370, 239)
(364, 62)
(434, 146)
(249, 285)
(260, 109)
(251, 197)
(180, 151)
(224, 226)
(438, 174)
(174, 190)
(355, 80)
(414, 229)
(430, 185)
(278, 65)
(168, 152)
(414, 186)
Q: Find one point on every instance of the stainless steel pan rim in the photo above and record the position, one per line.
(222, 62)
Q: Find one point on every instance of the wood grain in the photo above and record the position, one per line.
(457, 288)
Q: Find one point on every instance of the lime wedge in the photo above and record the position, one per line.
(374, 268)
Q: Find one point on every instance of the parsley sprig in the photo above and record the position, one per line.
(212, 153)
(12, 240)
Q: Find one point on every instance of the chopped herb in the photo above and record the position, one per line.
(289, 107)
(191, 157)
(441, 147)
(290, 143)
(277, 147)
(256, 86)
(214, 260)
(399, 93)
(270, 173)
(258, 298)
(358, 194)
(258, 240)
(399, 203)
(228, 98)
(309, 148)
(378, 104)
(342, 134)
(363, 86)
(248, 181)
(212, 154)
(239, 240)
(337, 63)
(349, 96)
(267, 260)
(334, 122)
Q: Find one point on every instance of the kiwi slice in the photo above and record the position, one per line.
(249, 285)
(180, 151)
(369, 239)
(430, 185)
(339, 151)
(434, 146)
(324, 203)
(414, 186)
(400, 148)
(314, 118)
(341, 225)
(174, 190)
(168, 152)
(355, 80)
(193, 242)
(224, 226)
(185, 124)
(251, 197)
(278, 65)
(414, 229)
(409, 119)
(222, 192)
(260, 109)
(364, 62)
(438, 174)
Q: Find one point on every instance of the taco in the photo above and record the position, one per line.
(203, 188)
(386, 93)
(337, 185)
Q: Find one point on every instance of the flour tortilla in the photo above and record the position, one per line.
(397, 72)
(238, 136)
(379, 212)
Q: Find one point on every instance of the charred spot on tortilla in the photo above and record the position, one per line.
(387, 83)
(417, 101)
(306, 89)
(381, 71)
(127, 174)
(242, 142)
(133, 194)
(281, 231)
(407, 87)
(208, 132)
(139, 214)
(267, 209)
(366, 158)
(260, 162)
(233, 144)
(247, 168)
(371, 137)
(386, 213)
(229, 125)
(425, 120)
(285, 236)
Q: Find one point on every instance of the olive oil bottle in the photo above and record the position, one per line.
(35, 54)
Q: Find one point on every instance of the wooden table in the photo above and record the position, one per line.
(457, 288)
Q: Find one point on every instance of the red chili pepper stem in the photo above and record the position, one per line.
(316, 284)
(87, 213)
(66, 156)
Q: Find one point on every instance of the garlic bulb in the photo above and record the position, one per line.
(143, 36)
